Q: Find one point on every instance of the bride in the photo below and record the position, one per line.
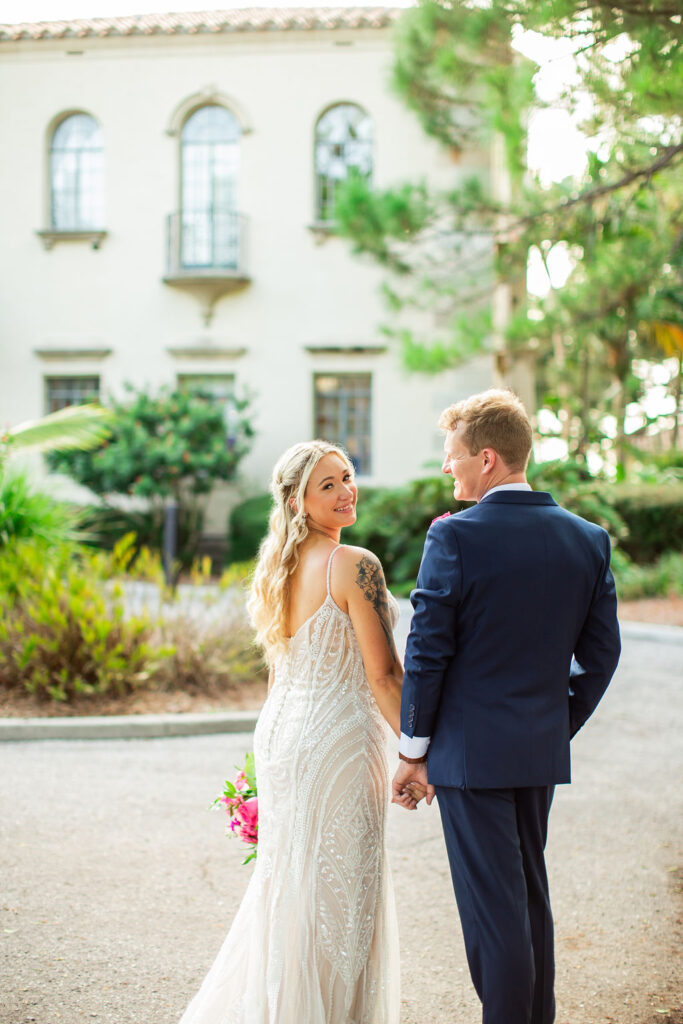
(315, 940)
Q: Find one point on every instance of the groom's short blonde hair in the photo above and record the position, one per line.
(493, 419)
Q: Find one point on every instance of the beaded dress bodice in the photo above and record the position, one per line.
(316, 939)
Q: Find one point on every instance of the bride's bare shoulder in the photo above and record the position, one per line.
(355, 564)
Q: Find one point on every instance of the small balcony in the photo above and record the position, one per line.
(206, 255)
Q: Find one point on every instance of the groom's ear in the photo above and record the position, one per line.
(490, 457)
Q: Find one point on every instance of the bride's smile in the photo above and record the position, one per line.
(331, 495)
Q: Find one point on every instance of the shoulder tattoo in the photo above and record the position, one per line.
(370, 579)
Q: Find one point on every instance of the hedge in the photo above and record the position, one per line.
(646, 521)
(653, 515)
(247, 525)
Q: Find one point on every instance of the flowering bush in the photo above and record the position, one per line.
(61, 636)
(240, 799)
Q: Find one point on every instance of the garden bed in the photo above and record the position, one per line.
(248, 695)
(663, 611)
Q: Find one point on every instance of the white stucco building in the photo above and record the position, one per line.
(166, 184)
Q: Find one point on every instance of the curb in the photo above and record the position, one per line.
(651, 631)
(130, 727)
(127, 727)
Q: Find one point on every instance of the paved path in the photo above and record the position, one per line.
(118, 885)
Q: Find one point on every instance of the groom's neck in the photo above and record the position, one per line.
(508, 477)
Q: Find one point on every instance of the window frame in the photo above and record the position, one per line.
(77, 225)
(213, 215)
(363, 463)
(323, 213)
(88, 396)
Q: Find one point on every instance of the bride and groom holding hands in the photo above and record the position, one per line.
(513, 641)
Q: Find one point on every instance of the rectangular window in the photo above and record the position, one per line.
(220, 385)
(63, 391)
(342, 414)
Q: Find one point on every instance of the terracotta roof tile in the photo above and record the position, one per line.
(248, 19)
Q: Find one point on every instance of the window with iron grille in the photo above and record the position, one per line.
(77, 175)
(63, 391)
(343, 414)
(343, 146)
(210, 150)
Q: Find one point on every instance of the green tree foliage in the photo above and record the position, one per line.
(447, 250)
(171, 445)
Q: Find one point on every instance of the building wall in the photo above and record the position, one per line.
(306, 291)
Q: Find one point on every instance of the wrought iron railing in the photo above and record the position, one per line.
(204, 241)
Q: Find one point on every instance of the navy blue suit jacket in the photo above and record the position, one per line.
(508, 591)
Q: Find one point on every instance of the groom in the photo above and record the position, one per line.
(508, 591)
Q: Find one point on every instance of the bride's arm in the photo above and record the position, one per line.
(359, 579)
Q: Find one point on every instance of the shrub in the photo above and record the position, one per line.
(663, 578)
(127, 560)
(247, 526)
(393, 522)
(237, 574)
(26, 512)
(60, 635)
(133, 562)
(64, 634)
(105, 525)
(644, 520)
(653, 516)
(661, 467)
(559, 475)
(572, 486)
(208, 657)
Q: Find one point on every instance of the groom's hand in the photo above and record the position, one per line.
(409, 785)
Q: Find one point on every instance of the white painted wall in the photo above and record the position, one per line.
(302, 292)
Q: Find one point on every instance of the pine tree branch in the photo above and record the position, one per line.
(590, 194)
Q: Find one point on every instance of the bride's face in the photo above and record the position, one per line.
(331, 493)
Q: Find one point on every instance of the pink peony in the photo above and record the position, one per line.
(241, 782)
(231, 801)
(248, 815)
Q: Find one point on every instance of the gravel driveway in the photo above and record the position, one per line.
(118, 884)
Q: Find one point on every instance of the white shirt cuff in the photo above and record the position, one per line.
(413, 746)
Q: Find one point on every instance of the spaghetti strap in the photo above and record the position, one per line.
(329, 568)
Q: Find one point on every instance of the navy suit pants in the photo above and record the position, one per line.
(495, 840)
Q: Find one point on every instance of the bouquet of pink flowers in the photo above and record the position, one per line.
(240, 799)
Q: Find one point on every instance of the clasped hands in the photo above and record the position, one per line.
(410, 785)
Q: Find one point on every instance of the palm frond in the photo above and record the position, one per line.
(76, 426)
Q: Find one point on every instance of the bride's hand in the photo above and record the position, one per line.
(410, 784)
(417, 791)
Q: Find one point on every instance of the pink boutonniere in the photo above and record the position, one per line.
(446, 515)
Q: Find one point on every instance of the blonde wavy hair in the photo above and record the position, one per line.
(279, 553)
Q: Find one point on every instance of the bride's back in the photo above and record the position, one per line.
(308, 583)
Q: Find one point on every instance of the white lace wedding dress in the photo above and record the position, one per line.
(315, 940)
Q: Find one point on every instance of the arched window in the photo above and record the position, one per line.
(210, 149)
(343, 145)
(77, 174)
